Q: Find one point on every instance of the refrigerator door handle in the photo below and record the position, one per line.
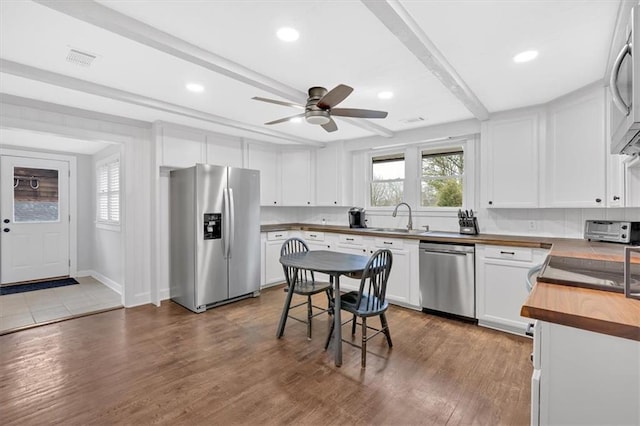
(232, 225)
(225, 222)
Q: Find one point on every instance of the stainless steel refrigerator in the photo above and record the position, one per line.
(214, 236)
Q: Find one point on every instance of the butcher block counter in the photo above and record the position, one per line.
(593, 310)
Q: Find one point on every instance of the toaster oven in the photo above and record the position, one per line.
(613, 231)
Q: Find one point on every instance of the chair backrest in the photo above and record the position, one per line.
(374, 279)
(292, 275)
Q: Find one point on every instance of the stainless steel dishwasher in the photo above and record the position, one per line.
(447, 280)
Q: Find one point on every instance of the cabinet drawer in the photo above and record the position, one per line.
(389, 243)
(509, 253)
(313, 236)
(351, 239)
(277, 235)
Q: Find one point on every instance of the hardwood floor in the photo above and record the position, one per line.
(225, 366)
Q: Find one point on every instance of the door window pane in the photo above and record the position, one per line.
(35, 195)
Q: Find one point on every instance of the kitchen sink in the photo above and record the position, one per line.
(398, 231)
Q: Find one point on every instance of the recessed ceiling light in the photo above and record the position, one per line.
(525, 56)
(296, 120)
(385, 95)
(288, 34)
(195, 87)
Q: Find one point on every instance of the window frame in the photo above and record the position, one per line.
(100, 165)
(370, 181)
(432, 151)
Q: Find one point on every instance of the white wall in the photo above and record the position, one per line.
(86, 205)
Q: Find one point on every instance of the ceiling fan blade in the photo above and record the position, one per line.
(273, 101)
(331, 126)
(282, 120)
(334, 96)
(358, 113)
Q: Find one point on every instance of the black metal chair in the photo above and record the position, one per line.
(303, 283)
(369, 301)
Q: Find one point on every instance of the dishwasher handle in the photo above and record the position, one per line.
(460, 253)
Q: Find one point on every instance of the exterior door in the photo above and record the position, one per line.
(34, 196)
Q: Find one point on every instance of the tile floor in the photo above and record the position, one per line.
(41, 306)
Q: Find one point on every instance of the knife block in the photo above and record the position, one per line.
(469, 226)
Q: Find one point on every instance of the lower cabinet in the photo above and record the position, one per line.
(501, 274)
(273, 272)
(583, 378)
(402, 287)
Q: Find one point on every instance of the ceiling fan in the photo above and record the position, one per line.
(320, 107)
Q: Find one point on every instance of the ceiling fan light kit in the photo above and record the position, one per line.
(320, 107)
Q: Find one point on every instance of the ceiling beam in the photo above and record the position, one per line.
(408, 31)
(125, 26)
(49, 77)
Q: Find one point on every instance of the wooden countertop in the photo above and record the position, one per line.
(594, 310)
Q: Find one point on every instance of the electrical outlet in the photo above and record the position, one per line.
(533, 225)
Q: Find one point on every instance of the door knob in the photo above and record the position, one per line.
(6, 229)
(6, 221)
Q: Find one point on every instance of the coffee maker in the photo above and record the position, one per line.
(356, 218)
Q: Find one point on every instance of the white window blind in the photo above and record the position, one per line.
(108, 186)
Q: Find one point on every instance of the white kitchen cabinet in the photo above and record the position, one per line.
(501, 274)
(328, 173)
(267, 161)
(402, 286)
(296, 178)
(273, 271)
(632, 181)
(319, 241)
(584, 378)
(573, 168)
(509, 156)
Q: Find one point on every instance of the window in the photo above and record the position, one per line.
(442, 179)
(108, 190)
(35, 195)
(387, 180)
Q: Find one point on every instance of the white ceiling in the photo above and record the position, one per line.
(340, 42)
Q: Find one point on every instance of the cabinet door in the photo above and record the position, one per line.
(501, 274)
(296, 178)
(267, 161)
(398, 285)
(502, 294)
(273, 269)
(510, 161)
(346, 283)
(328, 171)
(574, 166)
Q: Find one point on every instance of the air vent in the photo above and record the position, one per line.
(80, 58)
(412, 120)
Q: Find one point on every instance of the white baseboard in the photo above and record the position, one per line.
(164, 294)
(104, 280)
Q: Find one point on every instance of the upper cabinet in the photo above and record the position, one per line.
(328, 174)
(509, 155)
(296, 178)
(573, 166)
(180, 147)
(266, 160)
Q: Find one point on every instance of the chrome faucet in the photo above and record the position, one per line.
(395, 212)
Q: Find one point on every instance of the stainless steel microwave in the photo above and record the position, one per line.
(625, 92)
